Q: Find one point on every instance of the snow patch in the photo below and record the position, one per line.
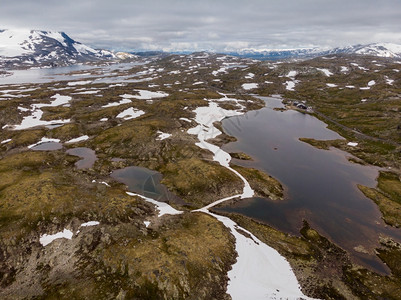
(164, 208)
(249, 86)
(352, 144)
(6, 141)
(325, 71)
(74, 83)
(389, 81)
(48, 238)
(90, 223)
(221, 70)
(261, 269)
(289, 85)
(162, 135)
(292, 74)
(205, 117)
(87, 92)
(145, 95)
(130, 113)
(78, 139)
(121, 102)
(44, 140)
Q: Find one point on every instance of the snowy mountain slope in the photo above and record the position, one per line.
(27, 48)
(376, 49)
(277, 53)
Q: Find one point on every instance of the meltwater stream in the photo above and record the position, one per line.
(320, 185)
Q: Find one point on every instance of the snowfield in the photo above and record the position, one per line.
(260, 271)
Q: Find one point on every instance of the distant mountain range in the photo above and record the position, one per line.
(34, 48)
(376, 49)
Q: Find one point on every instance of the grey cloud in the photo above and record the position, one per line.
(208, 24)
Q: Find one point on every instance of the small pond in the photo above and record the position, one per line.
(88, 157)
(147, 183)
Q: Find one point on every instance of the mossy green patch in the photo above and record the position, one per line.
(390, 183)
(37, 189)
(198, 181)
(263, 184)
(240, 155)
(322, 144)
(387, 196)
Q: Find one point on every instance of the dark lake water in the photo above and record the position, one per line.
(88, 157)
(147, 183)
(320, 185)
(107, 74)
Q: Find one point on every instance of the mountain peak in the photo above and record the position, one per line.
(27, 48)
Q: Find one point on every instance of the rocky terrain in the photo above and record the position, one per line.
(71, 230)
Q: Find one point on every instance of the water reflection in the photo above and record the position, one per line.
(147, 183)
(49, 146)
(320, 185)
(88, 157)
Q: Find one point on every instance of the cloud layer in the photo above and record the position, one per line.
(210, 24)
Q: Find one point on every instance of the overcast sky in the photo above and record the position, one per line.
(210, 24)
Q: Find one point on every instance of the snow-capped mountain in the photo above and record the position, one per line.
(273, 54)
(376, 49)
(27, 48)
